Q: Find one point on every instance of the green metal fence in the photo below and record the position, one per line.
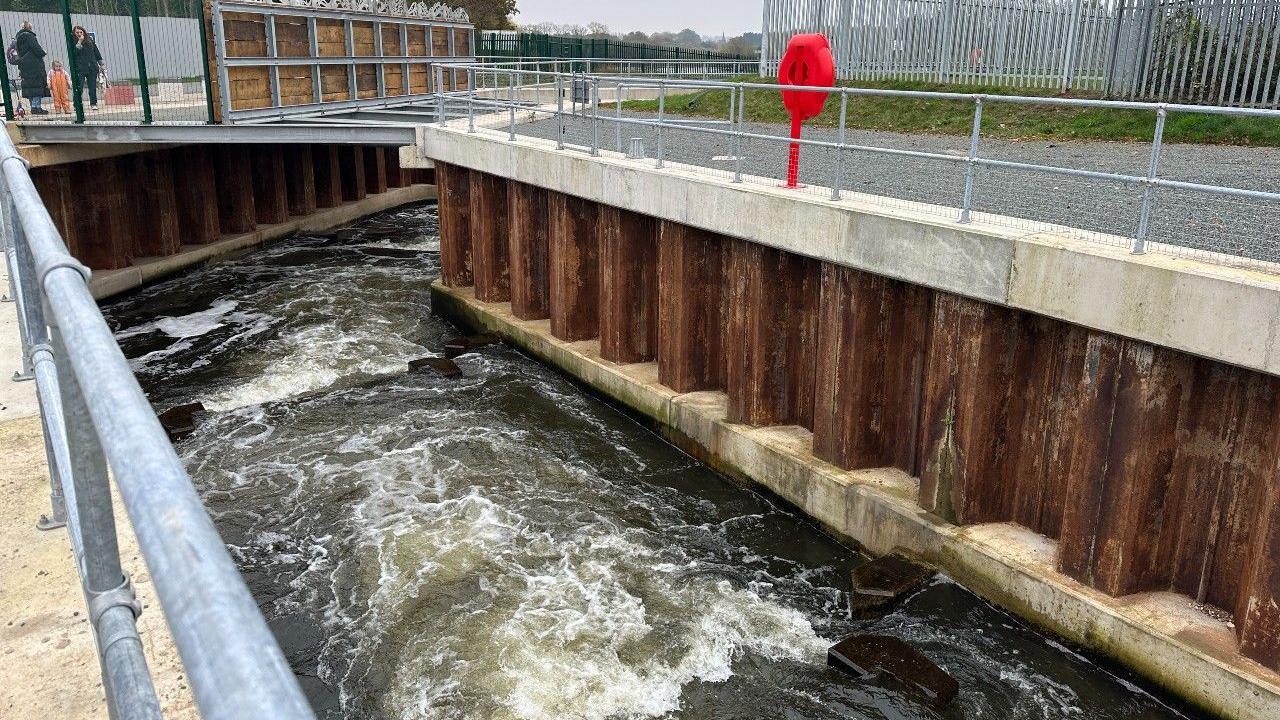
(521, 44)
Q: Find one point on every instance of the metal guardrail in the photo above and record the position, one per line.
(97, 422)
(734, 127)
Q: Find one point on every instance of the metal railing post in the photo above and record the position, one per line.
(5, 93)
(838, 181)
(144, 84)
(662, 109)
(594, 98)
(737, 135)
(204, 68)
(113, 606)
(970, 165)
(1149, 188)
(440, 109)
(471, 100)
(511, 100)
(19, 288)
(559, 113)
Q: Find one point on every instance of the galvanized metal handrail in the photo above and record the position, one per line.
(973, 159)
(96, 418)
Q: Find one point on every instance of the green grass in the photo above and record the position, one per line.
(1001, 120)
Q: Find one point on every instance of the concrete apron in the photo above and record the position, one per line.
(1163, 636)
(106, 283)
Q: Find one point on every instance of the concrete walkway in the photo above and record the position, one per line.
(48, 657)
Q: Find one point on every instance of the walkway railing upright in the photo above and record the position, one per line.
(97, 425)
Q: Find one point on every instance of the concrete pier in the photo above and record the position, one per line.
(906, 383)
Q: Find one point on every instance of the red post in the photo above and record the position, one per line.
(807, 63)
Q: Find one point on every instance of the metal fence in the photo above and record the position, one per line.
(1188, 51)
(148, 67)
(1138, 210)
(509, 43)
(97, 425)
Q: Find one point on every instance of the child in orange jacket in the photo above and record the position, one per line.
(60, 87)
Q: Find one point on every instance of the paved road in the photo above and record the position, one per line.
(1193, 220)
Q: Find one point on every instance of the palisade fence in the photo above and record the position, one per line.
(1220, 52)
(510, 43)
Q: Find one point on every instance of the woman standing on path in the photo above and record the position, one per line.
(88, 62)
(31, 68)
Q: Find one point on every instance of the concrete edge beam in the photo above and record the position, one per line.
(1160, 635)
(1216, 311)
(107, 283)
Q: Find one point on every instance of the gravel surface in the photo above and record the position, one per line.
(1193, 220)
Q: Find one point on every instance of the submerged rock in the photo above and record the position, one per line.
(442, 366)
(889, 662)
(179, 421)
(462, 345)
(878, 585)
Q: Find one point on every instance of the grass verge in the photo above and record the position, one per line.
(1000, 120)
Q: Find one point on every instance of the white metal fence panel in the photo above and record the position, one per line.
(1199, 51)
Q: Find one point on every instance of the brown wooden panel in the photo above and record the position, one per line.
(527, 225)
(328, 175)
(574, 267)
(375, 170)
(870, 368)
(331, 37)
(194, 176)
(417, 35)
(333, 83)
(234, 173)
(351, 160)
(455, 224)
(250, 87)
(419, 79)
(393, 79)
(270, 194)
(300, 179)
(771, 300)
(391, 39)
(489, 254)
(367, 81)
(628, 286)
(292, 37)
(459, 80)
(296, 85)
(461, 42)
(439, 42)
(245, 34)
(362, 39)
(690, 328)
(156, 231)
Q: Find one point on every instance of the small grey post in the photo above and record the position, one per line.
(737, 135)
(471, 100)
(26, 298)
(662, 109)
(970, 165)
(559, 114)
(1149, 187)
(617, 114)
(838, 182)
(511, 100)
(440, 111)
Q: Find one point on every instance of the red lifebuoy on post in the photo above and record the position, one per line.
(807, 62)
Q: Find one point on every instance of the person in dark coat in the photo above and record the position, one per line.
(88, 62)
(35, 87)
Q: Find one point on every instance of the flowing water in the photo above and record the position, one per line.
(505, 545)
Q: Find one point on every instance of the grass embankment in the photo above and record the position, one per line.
(1001, 120)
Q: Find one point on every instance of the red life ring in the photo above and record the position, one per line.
(807, 62)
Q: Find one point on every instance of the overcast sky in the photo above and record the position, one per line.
(709, 17)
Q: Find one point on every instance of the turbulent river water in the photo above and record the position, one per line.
(505, 545)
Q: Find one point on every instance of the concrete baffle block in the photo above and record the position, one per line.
(771, 302)
(455, 225)
(489, 255)
(375, 170)
(328, 175)
(690, 308)
(574, 269)
(270, 191)
(194, 176)
(527, 225)
(351, 161)
(300, 179)
(870, 368)
(234, 173)
(628, 286)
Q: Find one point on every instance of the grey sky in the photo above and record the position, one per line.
(709, 17)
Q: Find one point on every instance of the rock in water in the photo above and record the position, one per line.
(879, 585)
(889, 662)
(462, 345)
(443, 366)
(179, 421)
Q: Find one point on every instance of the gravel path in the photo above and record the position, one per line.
(1197, 221)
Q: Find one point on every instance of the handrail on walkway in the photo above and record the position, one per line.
(97, 423)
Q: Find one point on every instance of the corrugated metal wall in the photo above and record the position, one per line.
(1199, 51)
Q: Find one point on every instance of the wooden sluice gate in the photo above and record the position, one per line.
(1145, 468)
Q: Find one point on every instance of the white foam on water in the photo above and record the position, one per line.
(185, 326)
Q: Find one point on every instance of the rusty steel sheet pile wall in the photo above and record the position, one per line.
(1153, 469)
(156, 203)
